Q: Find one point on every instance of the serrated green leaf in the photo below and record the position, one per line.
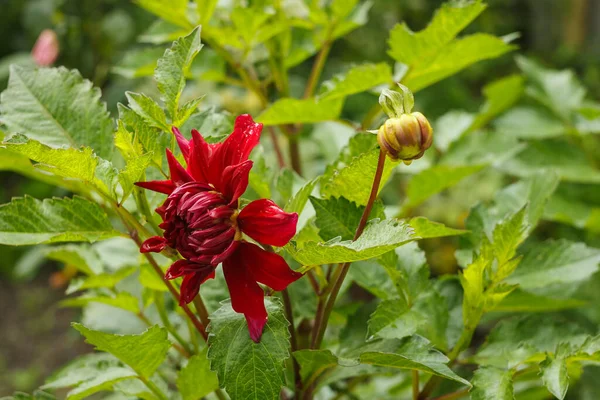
(70, 163)
(58, 108)
(415, 353)
(171, 69)
(433, 180)
(133, 172)
(336, 217)
(313, 362)
(508, 235)
(454, 57)
(354, 181)
(492, 383)
(148, 109)
(175, 13)
(560, 91)
(144, 352)
(554, 371)
(196, 380)
(294, 111)
(153, 140)
(123, 300)
(249, 370)
(556, 262)
(298, 201)
(26, 221)
(378, 238)
(358, 79)
(433, 53)
(410, 48)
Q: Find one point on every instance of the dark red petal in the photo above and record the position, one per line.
(246, 296)
(155, 244)
(179, 175)
(184, 144)
(190, 286)
(235, 180)
(165, 187)
(237, 147)
(219, 258)
(266, 223)
(177, 269)
(268, 268)
(200, 152)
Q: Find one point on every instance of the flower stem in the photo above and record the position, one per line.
(162, 312)
(343, 268)
(415, 384)
(277, 147)
(155, 389)
(317, 69)
(294, 148)
(201, 310)
(287, 304)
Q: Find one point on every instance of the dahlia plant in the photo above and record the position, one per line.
(288, 250)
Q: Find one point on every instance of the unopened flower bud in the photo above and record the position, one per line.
(46, 48)
(406, 137)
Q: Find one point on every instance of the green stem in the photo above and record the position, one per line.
(287, 304)
(415, 384)
(345, 267)
(144, 207)
(162, 312)
(201, 310)
(155, 389)
(317, 68)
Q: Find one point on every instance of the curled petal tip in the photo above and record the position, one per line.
(155, 244)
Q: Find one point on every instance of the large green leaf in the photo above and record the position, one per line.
(294, 111)
(378, 238)
(58, 108)
(554, 371)
(354, 180)
(26, 221)
(530, 123)
(171, 69)
(144, 352)
(298, 201)
(433, 180)
(123, 300)
(556, 262)
(414, 353)
(560, 91)
(196, 380)
(500, 95)
(433, 53)
(492, 383)
(522, 301)
(336, 217)
(358, 79)
(249, 370)
(454, 57)
(69, 163)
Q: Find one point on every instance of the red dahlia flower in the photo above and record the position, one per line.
(202, 220)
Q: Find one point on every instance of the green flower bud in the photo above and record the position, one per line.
(406, 137)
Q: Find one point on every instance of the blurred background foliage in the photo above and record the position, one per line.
(100, 37)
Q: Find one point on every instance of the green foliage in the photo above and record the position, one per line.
(492, 383)
(247, 369)
(26, 221)
(378, 238)
(143, 353)
(434, 53)
(358, 79)
(196, 380)
(170, 72)
(58, 108)
(289, 111)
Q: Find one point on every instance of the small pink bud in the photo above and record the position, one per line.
(46, 48)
